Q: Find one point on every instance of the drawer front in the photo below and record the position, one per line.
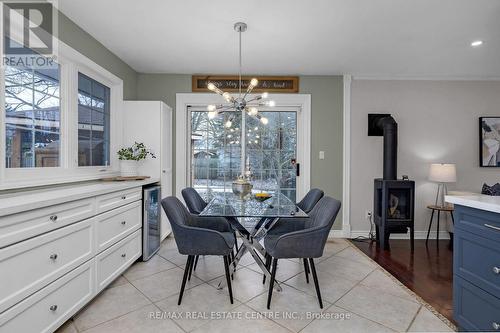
(116, 199)
(473, 308)
(49, 308)
(477, 259)
(116, 259)
(18, 227)
(479, 222)
(30, 265)
(117, 223)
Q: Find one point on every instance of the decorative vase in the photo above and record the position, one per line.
(129, 168)
(242, 187)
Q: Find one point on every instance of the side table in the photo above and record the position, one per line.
(439, 209)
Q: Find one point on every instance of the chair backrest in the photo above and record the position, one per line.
(324, 213)
(179, 218)
(310, 200)
(194, 201)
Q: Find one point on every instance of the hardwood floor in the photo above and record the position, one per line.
(428, 273)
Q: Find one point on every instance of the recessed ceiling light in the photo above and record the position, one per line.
(476, 43)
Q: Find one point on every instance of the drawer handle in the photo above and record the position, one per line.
(496, 270)
(53, 256)
(124, 255)
(53, 218)
(491, 227)
(496, 326)
(53, 307)
(124, 197)
(124, 222)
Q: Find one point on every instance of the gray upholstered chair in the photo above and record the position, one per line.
(310, 200)
(302, 238)
(306, 204)
(196, 235)
(196, 205)
(193, 200)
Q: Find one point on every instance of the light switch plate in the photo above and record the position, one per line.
(321, 155)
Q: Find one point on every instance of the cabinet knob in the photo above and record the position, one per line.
(53, 307)
(53, 218)
(496, 326)
(53, 256)
(124, 222)
(496, 270)
(124, 255)
(124, 197)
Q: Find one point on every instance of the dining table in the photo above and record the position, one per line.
(252, 217)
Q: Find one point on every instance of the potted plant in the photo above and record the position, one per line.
(129, 158)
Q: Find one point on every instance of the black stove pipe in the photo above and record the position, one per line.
(390, 129)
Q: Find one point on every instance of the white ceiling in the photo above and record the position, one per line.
(388, 38)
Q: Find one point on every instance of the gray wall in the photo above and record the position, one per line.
(327, 105)
(77, 38)
(438, 123)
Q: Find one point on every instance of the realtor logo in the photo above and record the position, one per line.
(28, 30)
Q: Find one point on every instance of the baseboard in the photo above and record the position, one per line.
(418, 235)
(336, 234)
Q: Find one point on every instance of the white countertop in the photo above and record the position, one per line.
(478, 201)
(23, 200)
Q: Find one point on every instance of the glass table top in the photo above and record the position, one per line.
(227, 204)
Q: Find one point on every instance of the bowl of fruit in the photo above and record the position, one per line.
(261, 197)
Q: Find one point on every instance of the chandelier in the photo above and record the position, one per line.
(239, 103)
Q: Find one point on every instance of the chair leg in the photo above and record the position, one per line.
(429, 230)
(228, 278)
(191, 267)
(271, 283)
(235, 241)
(316, 284)
(184, 278)
(268, 262)
(195, 263)
(306, 269)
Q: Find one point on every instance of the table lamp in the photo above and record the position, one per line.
(442, 173)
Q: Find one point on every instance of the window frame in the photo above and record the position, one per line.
(71, 62)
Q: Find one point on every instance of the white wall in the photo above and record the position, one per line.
(438, 123)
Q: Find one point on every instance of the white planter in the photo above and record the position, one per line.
(129, 168)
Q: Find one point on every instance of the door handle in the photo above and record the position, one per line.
(297, 169)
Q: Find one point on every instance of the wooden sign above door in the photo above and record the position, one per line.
(230, 83)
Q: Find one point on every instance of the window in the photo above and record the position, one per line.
(216, 152)
(93, 122)
(32, 117)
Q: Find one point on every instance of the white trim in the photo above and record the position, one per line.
(443, 234)
(301, 101)
(336, 234)
(346, 155)
(424, 78)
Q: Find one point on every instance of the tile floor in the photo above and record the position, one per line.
(358, 297)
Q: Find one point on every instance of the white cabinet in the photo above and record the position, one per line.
(30, 265)
(150, 122)
(55, 259)
(46, 310)
(112, 262)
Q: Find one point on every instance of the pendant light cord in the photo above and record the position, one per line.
(240, 64)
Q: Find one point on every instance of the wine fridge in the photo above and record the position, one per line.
(151, 221)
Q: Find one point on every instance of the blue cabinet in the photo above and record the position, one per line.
(476, 270)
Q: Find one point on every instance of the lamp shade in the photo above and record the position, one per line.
(443, 173)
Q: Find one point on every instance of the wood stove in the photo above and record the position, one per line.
(394, 199)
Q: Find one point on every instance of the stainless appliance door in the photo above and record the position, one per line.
(152, 221)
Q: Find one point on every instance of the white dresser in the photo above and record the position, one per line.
(59, 247)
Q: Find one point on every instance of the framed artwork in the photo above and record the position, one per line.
(489, 141)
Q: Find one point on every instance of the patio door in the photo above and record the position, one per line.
(273, 152)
